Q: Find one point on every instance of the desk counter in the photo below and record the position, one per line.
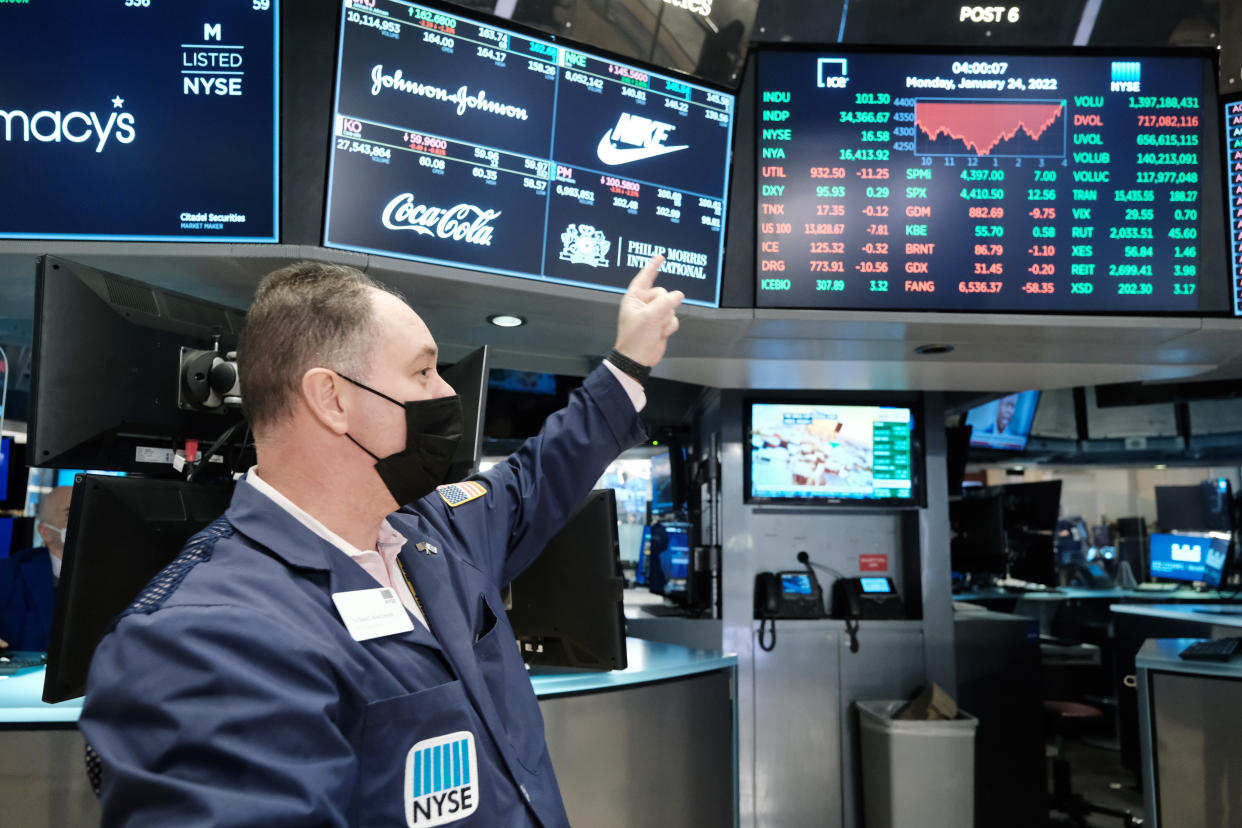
(1221, 616)
(21, 704)
(1190, 725)
(666, 725)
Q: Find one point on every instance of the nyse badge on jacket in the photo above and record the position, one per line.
(441, 780)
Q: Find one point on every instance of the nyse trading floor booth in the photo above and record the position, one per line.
(798, 727)
(651, 745)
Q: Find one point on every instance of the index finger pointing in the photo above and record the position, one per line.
(646, 277)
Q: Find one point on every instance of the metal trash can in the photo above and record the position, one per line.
(916, 774)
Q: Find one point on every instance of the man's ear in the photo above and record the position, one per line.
(322, 392)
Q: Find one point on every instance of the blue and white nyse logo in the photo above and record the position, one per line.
(1126, 76)
(441, 780)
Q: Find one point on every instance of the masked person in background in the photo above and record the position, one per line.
(28, 578)
(339, 633)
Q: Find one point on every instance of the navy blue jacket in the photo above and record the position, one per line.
(27, 596)
(231, 693)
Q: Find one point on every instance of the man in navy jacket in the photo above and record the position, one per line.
(319, 656)
(28, 578)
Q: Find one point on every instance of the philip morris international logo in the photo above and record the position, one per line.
(441, 780)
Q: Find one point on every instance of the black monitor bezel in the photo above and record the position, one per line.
(1218, 261)
(114, 449)
(918, 455)
(79, 621)
(536, 625)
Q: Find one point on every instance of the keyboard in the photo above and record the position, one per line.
(1218, 649)
(13, 660)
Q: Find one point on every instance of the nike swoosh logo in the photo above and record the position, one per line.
(613, 156)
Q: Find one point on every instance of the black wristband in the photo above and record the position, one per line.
(628, 366)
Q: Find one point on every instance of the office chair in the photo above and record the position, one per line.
(1067, 718)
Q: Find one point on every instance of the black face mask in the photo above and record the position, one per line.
(433, 428)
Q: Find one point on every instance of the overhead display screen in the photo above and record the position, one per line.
(139, 120)
(1055, 184)
(830, 453)
(469, 144)
(1233, 186)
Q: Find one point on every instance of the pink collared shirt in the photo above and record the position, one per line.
(380, 563)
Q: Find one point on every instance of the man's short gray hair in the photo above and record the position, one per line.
(306, 315)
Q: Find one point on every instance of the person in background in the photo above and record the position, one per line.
(28, 578)
(1005, 408)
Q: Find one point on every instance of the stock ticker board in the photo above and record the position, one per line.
(164, 112)
(1233, 179)
(1055, 184)
(465, 143)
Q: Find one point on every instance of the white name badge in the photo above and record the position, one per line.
(372, 613)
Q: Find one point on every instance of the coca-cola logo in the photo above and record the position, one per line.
(461, 223)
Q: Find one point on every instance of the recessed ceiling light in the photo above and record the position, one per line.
(506, 320)
(928, 350)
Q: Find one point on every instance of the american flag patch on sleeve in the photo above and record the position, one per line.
(455, 494)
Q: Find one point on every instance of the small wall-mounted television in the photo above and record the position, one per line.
(831, 453)
(1003, 424)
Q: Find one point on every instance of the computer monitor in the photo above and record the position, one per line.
(16, 534)
(67, 477)
(468, 376)
(668, 564)
(122, 532)
(977, 544)
(106, 370)
(1003, 424)
(957, 453)
(1180, 507)
(644, 558)
(1217, 504)
(1030, 515)
(567, 606)
(13, 475)
(1189, 556)
(667, 485)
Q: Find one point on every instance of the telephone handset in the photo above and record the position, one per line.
(786, 595)
(866, 598)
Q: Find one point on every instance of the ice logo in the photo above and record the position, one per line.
(461, 223)
(583, 244)
(635, 138)
(54, 126)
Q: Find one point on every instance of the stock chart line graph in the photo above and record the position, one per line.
(990, 128)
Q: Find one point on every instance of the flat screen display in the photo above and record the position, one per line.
(874, 586)
(796, 584)
(970, 182)
(1003, 424)
(6, 449)
(806, 452)
(1233, 188)
(1188, 557)
(471, 144)
(139, 121)
(674, 560)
